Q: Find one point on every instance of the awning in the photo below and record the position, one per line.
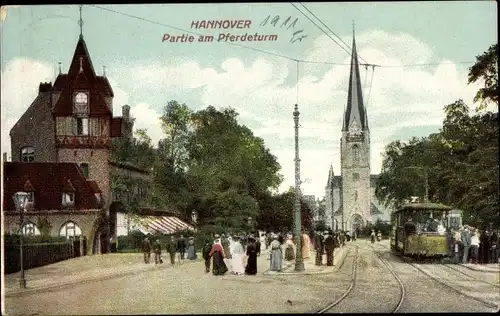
(164, 225)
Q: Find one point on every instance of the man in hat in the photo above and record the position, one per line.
(329, 248)
(146, 249)
(319, 247)
(157, 251)
(466, 243)
(181, 247)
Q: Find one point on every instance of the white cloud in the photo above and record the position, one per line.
(400, 98)
(20, 80)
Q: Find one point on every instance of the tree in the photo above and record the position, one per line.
(486, 68)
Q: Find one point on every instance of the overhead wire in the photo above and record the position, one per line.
(326, 26)
(268, 52)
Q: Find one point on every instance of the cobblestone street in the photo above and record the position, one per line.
(186, 289)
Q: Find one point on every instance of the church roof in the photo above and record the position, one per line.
(355, 109)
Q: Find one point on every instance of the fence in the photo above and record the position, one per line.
(40, 254)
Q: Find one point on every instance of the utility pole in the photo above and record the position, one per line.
(333, 210)
(299, 262)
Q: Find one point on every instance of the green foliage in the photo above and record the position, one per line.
(13, 239)
(486, 69)
(320, 226)
(460, 162)
(379, 226)
(206, 161)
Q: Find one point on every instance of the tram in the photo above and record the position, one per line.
(420, 229)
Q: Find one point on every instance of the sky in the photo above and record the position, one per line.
(261, 80)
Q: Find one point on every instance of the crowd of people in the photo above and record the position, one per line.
(238, 254)
(470, 245)
(177, 248)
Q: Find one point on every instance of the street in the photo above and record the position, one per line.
(187, 289)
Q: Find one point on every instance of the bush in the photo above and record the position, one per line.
(13, 239)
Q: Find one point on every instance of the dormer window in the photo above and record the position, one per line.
(68, 199)
(81, 103)
(68, 195)
(98, 197)
(27, 154)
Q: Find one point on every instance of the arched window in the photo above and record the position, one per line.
(30, 229)
(355, 154)
(27, 154)
(81, 98)
(70, 229)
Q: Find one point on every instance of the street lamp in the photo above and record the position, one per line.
(20, 201)
(249, 221)
(299, 262)
(194, 217)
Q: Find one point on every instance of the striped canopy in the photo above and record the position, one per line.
(163, 225)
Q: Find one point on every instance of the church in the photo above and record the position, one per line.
(350, 198)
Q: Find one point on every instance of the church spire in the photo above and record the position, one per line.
(355, 110)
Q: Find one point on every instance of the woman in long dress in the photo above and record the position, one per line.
(191, 249)
(289, 248)
(306, 246)
(276, 255)
(251, 267)
(237, 257)
(217, 254)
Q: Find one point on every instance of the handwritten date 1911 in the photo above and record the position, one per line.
(297, 36)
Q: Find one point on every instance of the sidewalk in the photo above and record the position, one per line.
(309, 265)
(490, 267)
(79, 270)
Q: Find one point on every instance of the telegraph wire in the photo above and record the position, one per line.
(276, 54)
(319, 27)
(314, 15)
(370, 90)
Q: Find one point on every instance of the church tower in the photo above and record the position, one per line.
(355, 153)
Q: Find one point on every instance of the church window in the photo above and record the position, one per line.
(355, 154)
(355, 177)
(27, 154)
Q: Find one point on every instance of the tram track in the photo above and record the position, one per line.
(349, 293)
(470, 276)
(444, 284)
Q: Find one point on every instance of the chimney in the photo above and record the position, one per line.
(44, 87)
(126, 111)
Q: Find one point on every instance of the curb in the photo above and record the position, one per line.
(58, 286)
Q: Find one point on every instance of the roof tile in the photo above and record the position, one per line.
(49, 179)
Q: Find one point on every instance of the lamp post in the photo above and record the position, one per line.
(194, 218)
(20, 200)
(299, 262)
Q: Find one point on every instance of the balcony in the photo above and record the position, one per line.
(72, 141)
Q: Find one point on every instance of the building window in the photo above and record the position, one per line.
(81, 103)
(29, 229)
(70, 229)
(68, 199)
(85, 169)
(27, 154)
(82, 126)
(355, 154)
(98, 197)
(355, 177)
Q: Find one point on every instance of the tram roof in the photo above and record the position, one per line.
(424, 206)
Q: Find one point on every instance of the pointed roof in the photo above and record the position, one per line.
(81, 75)
(330, 177)
(355, 110)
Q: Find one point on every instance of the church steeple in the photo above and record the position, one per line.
(355, 112)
